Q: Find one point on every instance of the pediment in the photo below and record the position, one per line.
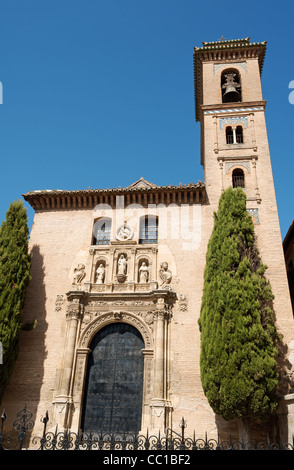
(142, 184)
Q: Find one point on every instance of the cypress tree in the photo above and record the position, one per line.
(15, 265)
(238, 335)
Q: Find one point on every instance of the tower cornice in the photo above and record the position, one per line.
(227, 108)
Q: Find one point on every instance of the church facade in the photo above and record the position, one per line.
(117, 275)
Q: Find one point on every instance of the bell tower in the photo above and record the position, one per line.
(230, 109)
(234, 152)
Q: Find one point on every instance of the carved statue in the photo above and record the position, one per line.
(79, 274)
(122, 265)
(143, 273)
(165, 275)
(100, 273)
(124, 232)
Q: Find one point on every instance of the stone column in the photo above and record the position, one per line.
(63, 398)
(234, 135)
(158, 401)
(215, 121)
(257, 193)
(253, 132)
(159, 357)
(289, 405)
(74, 418)
(147, 390)
(153, 270)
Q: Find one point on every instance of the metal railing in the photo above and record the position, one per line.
(238, 182)
(67, 440)
(238, 139)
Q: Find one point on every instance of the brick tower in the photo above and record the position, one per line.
(234, 152)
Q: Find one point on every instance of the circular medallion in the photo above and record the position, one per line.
(124, 232)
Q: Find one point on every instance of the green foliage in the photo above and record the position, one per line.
(238, 334)
(14, 277)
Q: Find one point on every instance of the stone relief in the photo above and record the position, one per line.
(106, 317)
(94, 303)
(59, 302)
(124, 232)
(165, 276)
(79, 274)
(183, 302)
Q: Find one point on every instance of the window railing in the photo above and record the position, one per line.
(148, 231)
(238, 139)
(238, 182)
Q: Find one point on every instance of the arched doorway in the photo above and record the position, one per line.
(114, 382)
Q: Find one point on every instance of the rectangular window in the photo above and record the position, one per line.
(148, 230)
(103, 235)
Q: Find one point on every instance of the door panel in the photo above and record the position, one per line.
(114, 384)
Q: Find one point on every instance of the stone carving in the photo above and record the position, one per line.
(106, 317)
(74, 309)
(183, 302)
(233, 121)
(79, 274)
(124, 232)
(143, 273)
(165, 276)
(100, 274)
(58, 303)
(121, 268)
(95, 303)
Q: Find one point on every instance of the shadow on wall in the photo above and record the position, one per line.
(27, 376)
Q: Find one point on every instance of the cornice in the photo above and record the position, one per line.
(47, 200)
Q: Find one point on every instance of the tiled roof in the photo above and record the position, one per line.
(133, 187)
(144, 190)
(226, 44)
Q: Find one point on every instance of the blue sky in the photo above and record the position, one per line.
(98, 93)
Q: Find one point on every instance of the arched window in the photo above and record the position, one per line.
(238, 178)
(239, 135)
(234, 135)
(229, 135)
(102, 231)
(148, 229)
(231, 86)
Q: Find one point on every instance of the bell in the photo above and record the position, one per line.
(231, 93)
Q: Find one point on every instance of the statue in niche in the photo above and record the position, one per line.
(122, 265)
(121, 268)
(165, 276)
(100, 273)
(79, 274)
(143, 273)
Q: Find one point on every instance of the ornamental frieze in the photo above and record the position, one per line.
(148, 317)
(105, 318)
